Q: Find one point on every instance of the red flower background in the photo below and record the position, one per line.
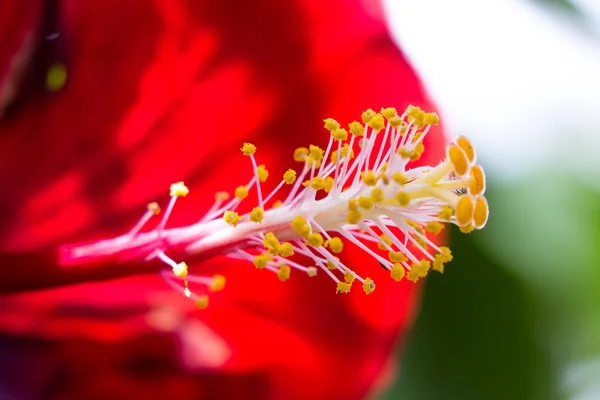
(161, 91)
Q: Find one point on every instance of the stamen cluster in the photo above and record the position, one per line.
(337, 198)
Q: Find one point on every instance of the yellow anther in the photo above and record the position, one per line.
(263, 174)
(315, 155)
(377, 195)
(389, 112)
(464, 210)
(335, 244)
(317, 183)
(315, 239)
(397, 272)
(459, 159)
(343, 287)
(349, 277)
(286, 250)
(467, 229)
(231, 217)
(403, 152)
(417, 152)
(431, 119)
(187, 292)
(416, 115)
(181, 270)
(356, 128)
(221, 196)
(384, 167)
(331, 265)
(352, 205)
(480, 215)
(397, 257)
(329, 182)
(392, 116)
(385, 240)
(418, 270)
(311, 271)
(384, 178)
(202, 302)
(369, 178)
(446, 213)
(179, 190)
(467, 147)
(434, 227)
(399, 178)
(261, 260)
(290, 176)
(272, 244)
(248, 149)
(257, 214)
(367, 115)
(343, 154)
(365, 202)
(300, 226)
(368, 286)
(301, 154)
(277, 204)
(376, 122)
(241, 192)
(340, 134)
(477, 180)
(441, 258)
(154, 208)
(217, 284)
(331, 124)
(283, 273)
(403, 198)
(353, 217)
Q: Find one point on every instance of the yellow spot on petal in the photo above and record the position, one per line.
(56, 77)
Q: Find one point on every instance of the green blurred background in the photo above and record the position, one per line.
(516, 315)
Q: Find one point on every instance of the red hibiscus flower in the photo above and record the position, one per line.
(104, 104)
